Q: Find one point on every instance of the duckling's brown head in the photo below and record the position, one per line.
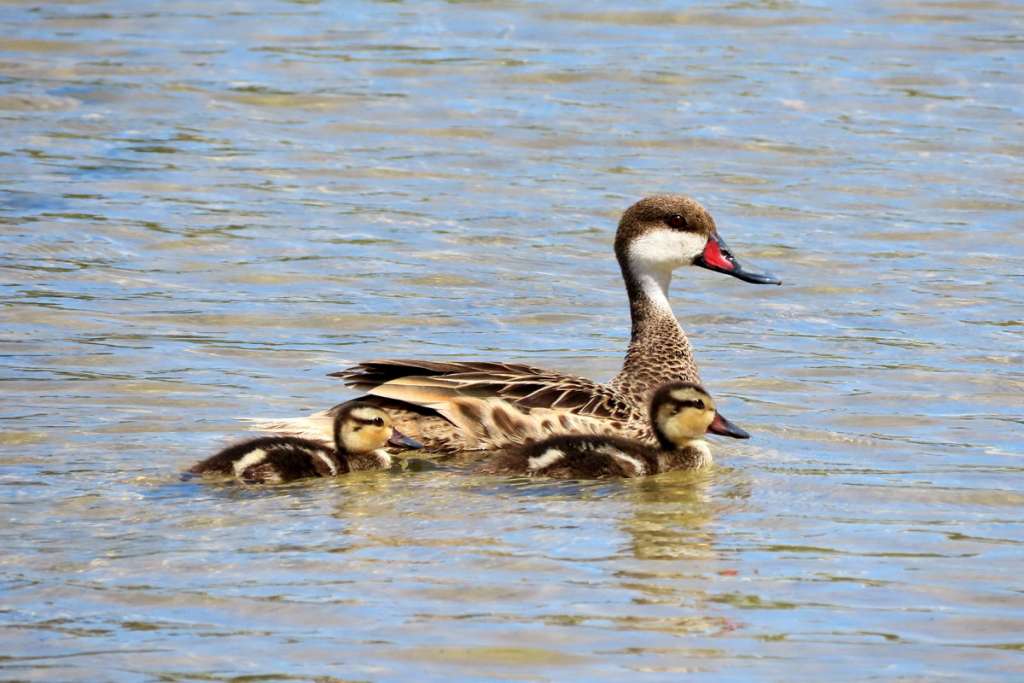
(663, 232)
(682, 412)
(361, 428)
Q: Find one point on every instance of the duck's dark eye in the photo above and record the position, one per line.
(379, 421)
(677, 222)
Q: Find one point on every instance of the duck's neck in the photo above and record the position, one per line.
(658, 351)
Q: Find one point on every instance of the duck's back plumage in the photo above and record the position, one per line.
(490, 404)
(523, 385)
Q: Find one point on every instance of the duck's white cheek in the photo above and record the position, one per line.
(667, 247)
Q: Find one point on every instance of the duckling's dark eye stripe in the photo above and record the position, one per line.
(690, 404)
(359, 420)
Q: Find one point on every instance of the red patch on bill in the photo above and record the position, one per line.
(713, 256)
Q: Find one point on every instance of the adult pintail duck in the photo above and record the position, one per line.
(454, 406)
(681, 413)
(361, 432)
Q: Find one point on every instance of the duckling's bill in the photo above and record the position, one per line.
(400, 440)
(723, 427)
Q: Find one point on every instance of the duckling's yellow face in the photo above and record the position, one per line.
(685, 415)
(365, 429)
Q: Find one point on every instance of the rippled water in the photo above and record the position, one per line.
(205, 208)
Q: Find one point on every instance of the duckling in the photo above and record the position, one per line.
(681, 413)
(360, 433)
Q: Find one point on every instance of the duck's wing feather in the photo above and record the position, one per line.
(475, 405)
(435, 384)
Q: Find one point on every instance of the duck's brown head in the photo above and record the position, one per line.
(663, 232)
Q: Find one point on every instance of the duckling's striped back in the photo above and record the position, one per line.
(274, 460)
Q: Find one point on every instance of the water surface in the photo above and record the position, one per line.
(206, 208)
